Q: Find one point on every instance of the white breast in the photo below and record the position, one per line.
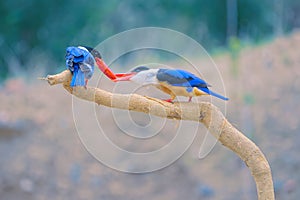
(146, 77)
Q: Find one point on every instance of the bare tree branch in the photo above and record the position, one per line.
(209, 115)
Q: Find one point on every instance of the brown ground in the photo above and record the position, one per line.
(42, 157)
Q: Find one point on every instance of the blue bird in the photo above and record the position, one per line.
(175, 82)
(81, 60)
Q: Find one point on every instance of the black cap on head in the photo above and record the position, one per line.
(94, 52)
(140, 68)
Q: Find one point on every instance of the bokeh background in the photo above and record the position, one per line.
(255, 44)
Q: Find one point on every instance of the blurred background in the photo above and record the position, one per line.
(255, 44)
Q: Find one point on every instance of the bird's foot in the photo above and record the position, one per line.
(190, 99)
(168, 100)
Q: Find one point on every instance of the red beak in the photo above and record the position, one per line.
(103, 67)
(120, 75)
(124, 77)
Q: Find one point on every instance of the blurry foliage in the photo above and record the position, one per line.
(234, 47)
(249, 99)
(34, 31)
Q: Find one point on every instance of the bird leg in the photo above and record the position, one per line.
(171, 98)
(190, 99)
(85, 84)
(168, 100)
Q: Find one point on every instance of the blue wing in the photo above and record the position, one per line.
(181, 78)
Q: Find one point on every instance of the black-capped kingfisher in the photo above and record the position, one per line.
(175, 82)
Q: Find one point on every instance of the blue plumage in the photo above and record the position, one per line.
(179, 77)
(182, 78)
(81, 63)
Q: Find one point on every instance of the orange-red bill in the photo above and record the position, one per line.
(121, 75)
(103, 67)
(124, 76)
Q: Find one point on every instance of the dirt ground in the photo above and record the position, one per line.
(42, 157)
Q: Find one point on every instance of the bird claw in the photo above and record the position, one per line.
(86, 82)
(168, 100)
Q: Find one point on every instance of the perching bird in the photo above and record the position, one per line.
(81, 60)
(175, 82)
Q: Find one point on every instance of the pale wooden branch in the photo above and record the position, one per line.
(203, 112)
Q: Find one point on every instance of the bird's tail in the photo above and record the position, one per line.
(214, 94)
(77, 79)
(218, 95)
(73, 81)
